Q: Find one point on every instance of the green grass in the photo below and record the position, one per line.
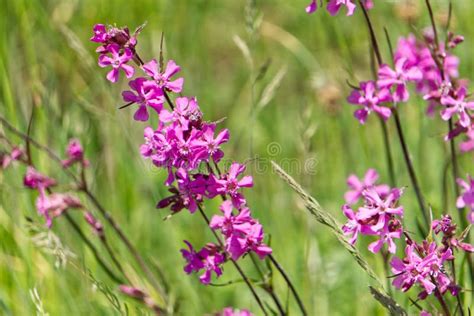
(46, 61)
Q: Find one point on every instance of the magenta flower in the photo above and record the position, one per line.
(230, 184)
(392, 229)
(398, 78)
(423, 265)
(6, 159)
(35, 180)
(229, 311)
(377, 207)
(208, 259)
(212, 261)
(75, 153)
(353, 227)
(447, 228)
(457, 105)
(53, 205)
(147, 94)
(468, 145)
(163, 79)
(186, 113)
(114, 35)
(118, 61)
(312, 7)
(208, 146)
(194, 262)
(251, 240)
(230, 224)
(100, 34)
(189, 193)
(466, 199)
(358, 186)
(132, 292)
(334, 6)
(370, 98)
(96, 226)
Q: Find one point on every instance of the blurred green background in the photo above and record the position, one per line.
(296, 115)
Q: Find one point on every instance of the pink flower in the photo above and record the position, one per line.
(53, 205)
(353, 227)
(75, 153)
(392, 229)
(208, 146)
(229, 311)
(398, 78)
(370, 98)
(35, 180)
(312, 7)
(114, 35)
(468, 145)
(251, 239)
(118, 61)
(186, 113)
(358, 186)
(163, 79)
(6, 159)
(447, 228)
(230, 184)
(415, 269)
(376, 207)
(230, 224)
(147, 94)
(132, 292)
(334, 6)
(94, 224)
(189, 193)
(208, 259)
(100, 34)
(457, 105)
(466, 199)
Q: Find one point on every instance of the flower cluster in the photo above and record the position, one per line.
(379, 214)
(435, 78)
(184, 144)
(424, 264)
(439, 83)
(334, 6)
(447, 229)
(209, 259)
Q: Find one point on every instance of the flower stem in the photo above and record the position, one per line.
(92, 248)
(373, 38)
(114, 258)
(290, 284)
(268, 286)
(411, 170)
(138, 258)
(388, 153)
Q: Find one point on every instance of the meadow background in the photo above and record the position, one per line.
(303, 123)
